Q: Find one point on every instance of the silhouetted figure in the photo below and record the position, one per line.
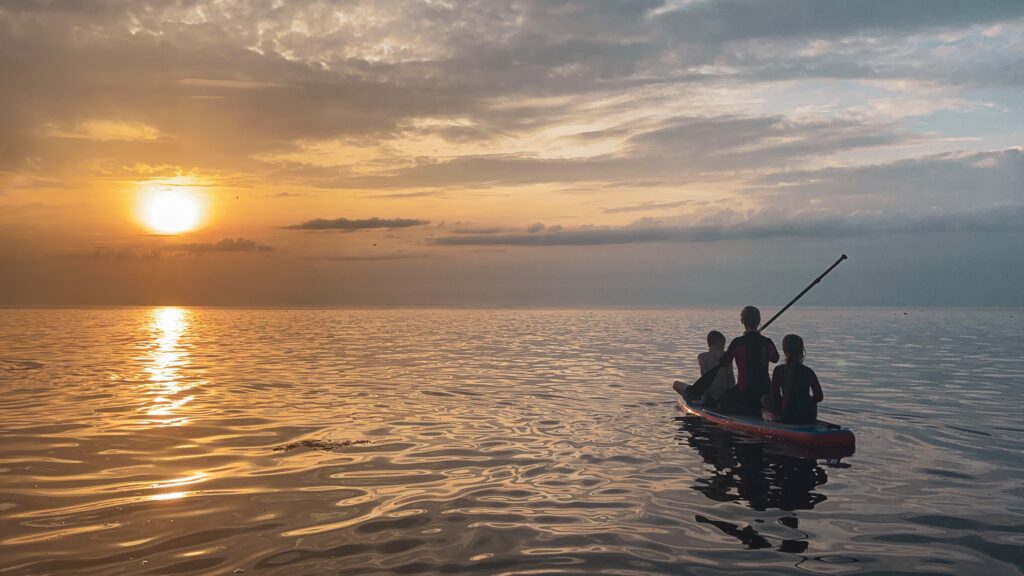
(752, 352)
(724, 380)
(796, 391)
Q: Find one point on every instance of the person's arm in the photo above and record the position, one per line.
(815, 386)
(701, 362)
(773, 352)
(777, 379)
(726, 358)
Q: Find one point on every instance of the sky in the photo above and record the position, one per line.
(522, 153)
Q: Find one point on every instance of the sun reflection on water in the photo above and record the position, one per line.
(169, 496)
(495, 441)
(166, 382)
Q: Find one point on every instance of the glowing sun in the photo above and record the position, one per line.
(171, 211)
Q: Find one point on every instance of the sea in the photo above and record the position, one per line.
(497, 441)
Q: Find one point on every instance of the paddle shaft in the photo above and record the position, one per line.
(805, 290)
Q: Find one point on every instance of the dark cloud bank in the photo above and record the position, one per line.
(348, 225)
(812, 227)
(227, 245)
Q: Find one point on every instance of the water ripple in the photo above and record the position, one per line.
(493, 441)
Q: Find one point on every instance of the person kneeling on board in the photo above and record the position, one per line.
(752, 353)
(796, 391)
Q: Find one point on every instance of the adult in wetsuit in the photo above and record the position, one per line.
(752, 353)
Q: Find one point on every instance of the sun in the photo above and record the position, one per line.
(171, 210)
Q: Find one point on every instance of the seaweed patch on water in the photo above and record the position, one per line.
(325, 445)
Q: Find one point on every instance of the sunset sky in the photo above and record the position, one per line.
(591, 152)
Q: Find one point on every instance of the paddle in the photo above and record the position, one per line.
(704, 382)
(805, 290)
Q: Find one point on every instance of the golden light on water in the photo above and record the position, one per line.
(167, 387)
(170, 208)
(169, 496)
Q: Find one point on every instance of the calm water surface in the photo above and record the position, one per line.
(495, 441)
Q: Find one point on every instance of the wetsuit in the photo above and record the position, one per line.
(791, 399)
(752, 353)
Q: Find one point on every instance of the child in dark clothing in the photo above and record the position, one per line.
(796, 391)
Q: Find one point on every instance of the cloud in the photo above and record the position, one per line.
(225, 245)
(480, 230)
(247, 79)
(940, 181)
(674, 150)
(191, 248)
(730, 20)
(101, 130)
(756, 228)
(417, 194)
(348, 225)
(649, 206)
(370, 257)
(122, 76)
(250, 85)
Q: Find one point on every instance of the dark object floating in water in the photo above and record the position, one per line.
(326, 445)
(19, 364)
(818, 436)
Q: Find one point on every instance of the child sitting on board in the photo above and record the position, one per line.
(796, 391)
(710, 393)
(708, 360)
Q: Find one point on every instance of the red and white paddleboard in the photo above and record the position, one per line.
(818, 435)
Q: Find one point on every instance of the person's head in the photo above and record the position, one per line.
(715, 340)
(793, 348)
(750, 316)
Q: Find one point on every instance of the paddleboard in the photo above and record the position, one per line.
(821, 434)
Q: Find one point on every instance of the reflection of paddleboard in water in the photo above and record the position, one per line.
(820, 435)
(761, 476)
